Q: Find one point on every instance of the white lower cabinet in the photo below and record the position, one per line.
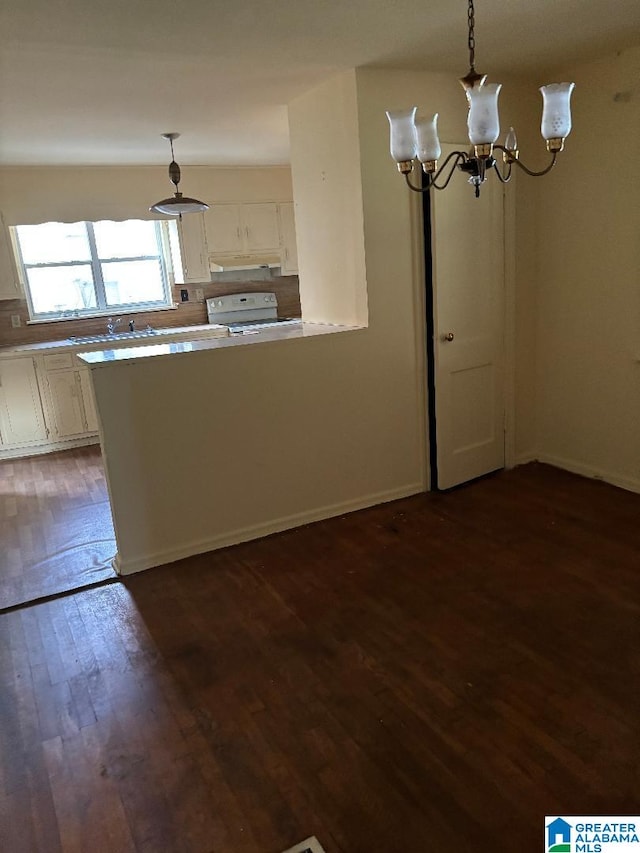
(46, 404)
(88, 401)
(66, 403)
(70, 397)
(22, 420)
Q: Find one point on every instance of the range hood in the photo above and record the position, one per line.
(224, 263)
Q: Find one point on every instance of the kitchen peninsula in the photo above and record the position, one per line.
(206, 420)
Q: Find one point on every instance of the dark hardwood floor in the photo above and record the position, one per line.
(56, 528)
(435, 674)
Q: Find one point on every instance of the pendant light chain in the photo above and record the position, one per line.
(174, 169)
(472, 38)
(178, 204)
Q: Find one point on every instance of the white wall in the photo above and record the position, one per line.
(588, 331)
(325, 146)
(215, 447)
(59, 193)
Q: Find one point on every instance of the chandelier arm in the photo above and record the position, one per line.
(554, 157)
(503, 178)
(546, 171)
(418, 189)
(460, 157)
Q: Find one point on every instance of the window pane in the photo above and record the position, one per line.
(127, 282)
(61, 289)
(125, 239)
(54, 242)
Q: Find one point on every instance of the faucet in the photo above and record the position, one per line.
(111, 325)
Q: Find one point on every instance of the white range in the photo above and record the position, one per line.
(246, 313)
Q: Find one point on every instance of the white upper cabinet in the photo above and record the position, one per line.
(224, 229)
(288, 247)
(261, 227)
(193, 248)
(9, 281)
(242, 228)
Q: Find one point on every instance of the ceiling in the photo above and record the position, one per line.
(86, 82)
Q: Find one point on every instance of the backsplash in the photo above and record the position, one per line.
(189, 313)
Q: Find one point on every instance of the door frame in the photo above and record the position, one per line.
(509, 323)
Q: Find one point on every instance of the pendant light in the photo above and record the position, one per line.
(177, 204)
(414, 137)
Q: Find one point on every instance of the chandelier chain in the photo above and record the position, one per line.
(472, 39)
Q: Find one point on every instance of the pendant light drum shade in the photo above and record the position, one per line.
(177, 204)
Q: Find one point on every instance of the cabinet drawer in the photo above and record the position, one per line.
(58, 361)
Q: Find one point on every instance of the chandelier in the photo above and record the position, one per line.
(177, 204)
(415, 137)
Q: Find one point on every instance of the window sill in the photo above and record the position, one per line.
(103, 314)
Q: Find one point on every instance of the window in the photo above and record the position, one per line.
(91, 268)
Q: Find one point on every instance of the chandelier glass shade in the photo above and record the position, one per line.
(177, 204)
(415, 137)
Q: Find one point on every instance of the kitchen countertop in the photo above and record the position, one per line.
(129, 343)
(131, 355)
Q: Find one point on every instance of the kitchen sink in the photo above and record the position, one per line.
(173, 333)
(116, 336)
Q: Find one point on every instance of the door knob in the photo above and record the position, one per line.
(448, 336)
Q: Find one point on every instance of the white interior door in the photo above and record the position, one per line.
(468, 293)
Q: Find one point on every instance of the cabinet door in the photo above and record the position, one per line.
(193, 248)
(88, 402)
(288, 247)
(261, 227)
(21, 415)
(9, 286)
(66, 401)
(223, 229)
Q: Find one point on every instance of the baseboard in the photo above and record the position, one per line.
(631, 484)
(245, 534)
(50, 447)
(525, 458)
